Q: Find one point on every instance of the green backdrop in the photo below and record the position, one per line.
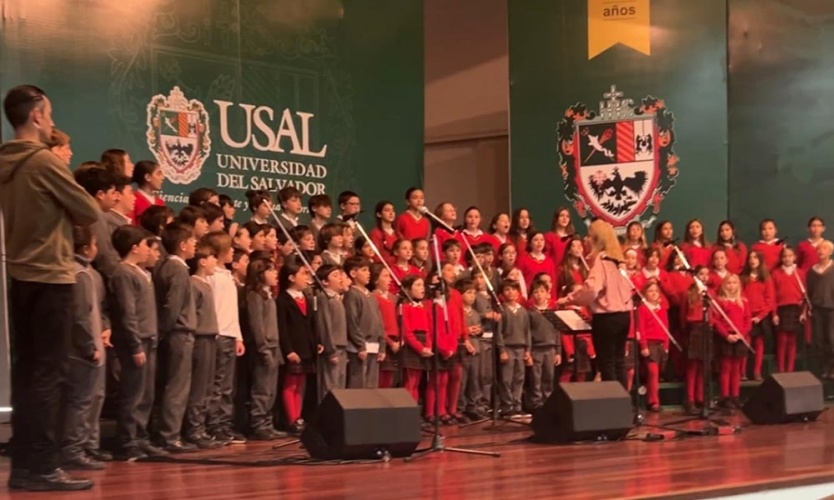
(352, 70)
(550, 72)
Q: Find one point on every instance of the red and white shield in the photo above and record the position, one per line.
(617, 167)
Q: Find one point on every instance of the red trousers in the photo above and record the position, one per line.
(386, 379)
(411, 382)
(653, 383)
(442, 378)
(758, 345)
(695, 380)
(293, 395)
(785, 351)
(568, 375)
(677, 358)
(453, 391)
(729, 376)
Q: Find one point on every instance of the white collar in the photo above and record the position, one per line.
(295, 293)
(364, 291)
(293, 220)
(256, 220)
(771, 242)
(204, 280)
(820, 269)
(721, 273)
(475, 234)
(178, 259)
(150, 197)
(651, 274)
(789, 269)
(121, 216)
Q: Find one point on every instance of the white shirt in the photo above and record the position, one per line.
(295, 294)
(224, 291)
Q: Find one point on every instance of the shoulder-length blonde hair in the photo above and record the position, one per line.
(604, 239)
(724, 294)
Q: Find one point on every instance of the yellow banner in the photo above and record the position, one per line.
(611, 22)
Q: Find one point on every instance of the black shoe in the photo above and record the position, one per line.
(100, 455)
(725, 404)
(18, 479)
(82, 462)
(57, 480)
(179, 446)
(237, 438)
(447, 420)
(279, 434)
(221, 437)
(130, 454)
(462, 418)
(152, 451)
(204, 442)
(689, 408)
(297, 427)
(474, 415)
(263, 435)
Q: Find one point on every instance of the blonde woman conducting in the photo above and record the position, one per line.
(608, 296)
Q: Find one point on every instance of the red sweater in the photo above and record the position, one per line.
(760, 298)
(416, 318)
(530, 267)
(697, 256)
(650, 329)
(641, 253)
(143, 203)
(676, 285)
(447, 339)
(693, 312)
(786, 286)
(739, 314)
(555, 246)
(770, 253)
(665, 252)
(388, 310)
(473, 240)
(384, 243)
(520, 244)
(401, 274)
(640, 280)
(736, 256)
(409, 227)
(715, 281)
(561, 281)
(497, 242)
(806, 255)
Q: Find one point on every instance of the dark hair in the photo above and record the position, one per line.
(450, 243)
(569, 230)
(189, 215)
(358, 244)
(122, 181)
(298, 232)
(376, 272)
(649, 251)
(465, 284)
(409, 281)
(345, 196)
(58, 138)
(154, 218)
(410, 191)
(515, 230)
(564, 274)
(238, 253)
(318, 200)
(204, 250)
(815, 219)
(538, 283)
(356, 262)
(200, 196)
(658, 229)
(291, 267)
(323, 273)
(174, 235)
(261, 255)
(483, 249)
(494, 221)
(380, 206)
(212, 212)
(82, 236)
(254, 228)
(287, 193)
(765, 221)
(718, 233)
(95, 179)
(225, 201)
(19, 103)
(762, 271)
(511, 284)
(126, 237)
(256, 197)
(143, 168)
(702, 239)
(255, 281)
(328, 232)
(114, 159)
(466, 212)
(530, 237)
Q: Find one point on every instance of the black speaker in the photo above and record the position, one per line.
(584, 411)
(363, 424)
(786, 397)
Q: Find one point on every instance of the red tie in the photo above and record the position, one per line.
(302, 304)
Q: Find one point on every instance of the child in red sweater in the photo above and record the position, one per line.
(379, 285)
(417, 353)
(148, 177)
(731, 348)
(383, 235)
(577, 351)
(520, 227)
(412, 224)
(806, 251)
(735, 250)
(664, 233)
(635, 239)
(696, 330)
(446, 332)
(459, 343)
(561, 230)
(402, 266)
(790, 318)
(535, 261)
(654, 343)
(719, 269)
(572, 269)
(758, 291)
(769, 247)
(695, 246)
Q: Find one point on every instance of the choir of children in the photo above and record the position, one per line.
(252, 322)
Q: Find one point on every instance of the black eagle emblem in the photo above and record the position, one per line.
(615, 189)
(180, 152)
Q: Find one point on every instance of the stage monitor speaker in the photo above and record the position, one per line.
(363, 424)
(584, 411)
(786, 397)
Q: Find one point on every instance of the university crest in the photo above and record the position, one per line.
(618, 163)
(178, 135)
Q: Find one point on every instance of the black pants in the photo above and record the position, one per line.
(41, 315)
(609, 332)
(822, 329)
(136, 394)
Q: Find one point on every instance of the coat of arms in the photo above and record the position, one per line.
(618, 163)
(178, 135)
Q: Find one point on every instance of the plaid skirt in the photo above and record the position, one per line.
(392, 360)
(695, 337)
(631, 354)
(789, 319)
(306, 366)
(728, 350)
(411, 359)
(657, 354)
(763, 328)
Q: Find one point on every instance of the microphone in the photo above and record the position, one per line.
(612, 259)
(671, 243)
(350, 217)
(436, 220)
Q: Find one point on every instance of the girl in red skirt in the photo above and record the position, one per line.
(758, 290)
(730, 347)
(417, 351)
(654, 343)
(790, 317)
(735, 250)
(380, 282)
(696, 329)
(695, 246)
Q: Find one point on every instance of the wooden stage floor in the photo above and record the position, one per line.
(690, 467)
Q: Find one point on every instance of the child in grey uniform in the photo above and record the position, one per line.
(331, 327)
(546, 347)
(513, 342)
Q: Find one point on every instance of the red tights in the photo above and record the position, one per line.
(653, 383)
(411, 382)
(455, 376)
(729, 377)
(386, 379)
(442, 378)
(785, 351)
(758, 356)
(293, 395)
(695, 380)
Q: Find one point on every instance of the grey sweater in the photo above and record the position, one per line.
(483, 305)
(90, 318)
(821, 288)
(174, 298)
(331, 322)
(106, 259)
(364, 320)
(262, 323)
(133, 305)
(515, 329)
(204, 305)
(543, 333)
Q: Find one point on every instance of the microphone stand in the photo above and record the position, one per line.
(808, 308)
(437, 442)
